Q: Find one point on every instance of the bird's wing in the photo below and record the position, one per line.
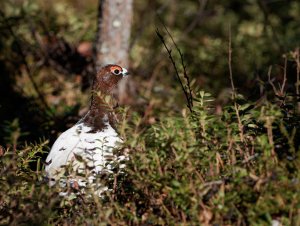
(95, 149)
(62, 150)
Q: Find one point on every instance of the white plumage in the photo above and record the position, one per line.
(88, 154)
(93, 148)
(85, 152)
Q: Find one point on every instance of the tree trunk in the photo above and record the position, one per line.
(113, 37)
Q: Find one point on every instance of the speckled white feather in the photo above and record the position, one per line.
(94, 148)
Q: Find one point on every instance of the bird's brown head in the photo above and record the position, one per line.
(108, 78)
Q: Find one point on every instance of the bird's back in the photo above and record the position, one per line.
(83, 150)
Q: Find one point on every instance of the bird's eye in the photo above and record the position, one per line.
(116, 71)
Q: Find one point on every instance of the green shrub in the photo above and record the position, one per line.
(198, 168)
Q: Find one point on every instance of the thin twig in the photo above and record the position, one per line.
(248, 159)
(298, 71)
(241, 127)
(297, 57)
(284, 76)
(187, 92)
(216, 182)
(229, 64)
(280, 91)
(188, 83)
(270, 81)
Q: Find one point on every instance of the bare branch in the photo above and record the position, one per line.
(284, 76)
(270, 80)
(229, 64)
(176, 70)
(236, 107)
(186, 89)
(184, 67)
(297, 84)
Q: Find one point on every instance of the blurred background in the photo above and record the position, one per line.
(47, 57)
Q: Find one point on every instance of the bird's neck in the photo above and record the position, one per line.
(101, 102)
(101, 113)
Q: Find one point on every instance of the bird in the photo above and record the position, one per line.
(85, 152)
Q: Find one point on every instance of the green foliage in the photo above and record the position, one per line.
(229, 162)
(195, 168)
(12, 132)
(24, 199)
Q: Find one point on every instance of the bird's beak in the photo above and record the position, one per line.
(125, 72)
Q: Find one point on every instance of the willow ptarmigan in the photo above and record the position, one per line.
(84, 152)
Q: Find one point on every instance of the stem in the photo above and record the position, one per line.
(240, 125)
(284, 76)
(190, 96)
(169, 51)
(229, 65)
(298, 76)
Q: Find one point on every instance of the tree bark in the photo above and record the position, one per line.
(113, 37)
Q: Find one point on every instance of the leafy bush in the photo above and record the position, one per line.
(188, 168)
(229, 161)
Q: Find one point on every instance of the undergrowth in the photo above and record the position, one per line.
(190, 168)
(234, 162)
